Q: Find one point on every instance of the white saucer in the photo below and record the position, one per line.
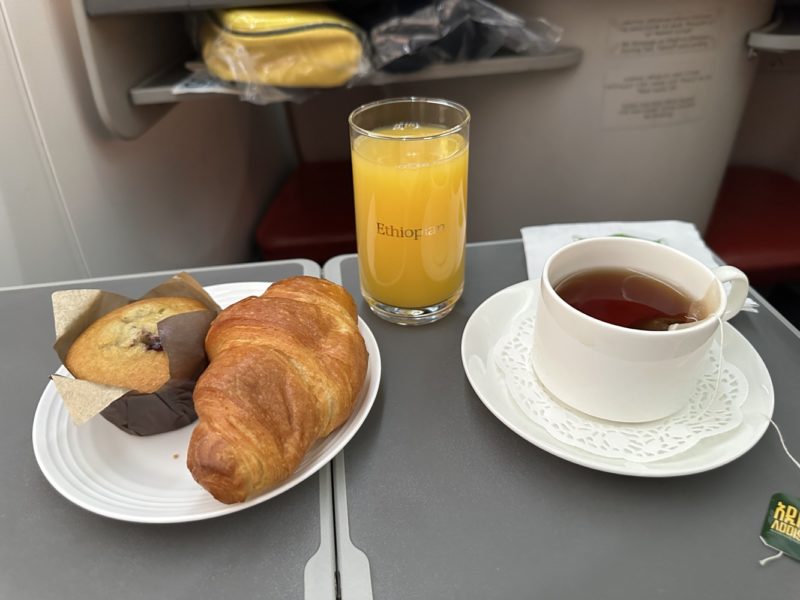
(145, 479)
(491, 321)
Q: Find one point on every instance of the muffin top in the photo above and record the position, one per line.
(123, 348)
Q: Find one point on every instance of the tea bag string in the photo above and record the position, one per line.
(783, 442)
(714, 393)
(763, 561)
(716, 390)
(769, 559)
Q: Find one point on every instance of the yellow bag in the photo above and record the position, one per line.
(309, 46)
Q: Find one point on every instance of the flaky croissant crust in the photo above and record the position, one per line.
(285, 370)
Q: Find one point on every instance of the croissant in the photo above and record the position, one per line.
(285, 370)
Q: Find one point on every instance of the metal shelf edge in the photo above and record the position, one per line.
(782, 34)
(96, 8)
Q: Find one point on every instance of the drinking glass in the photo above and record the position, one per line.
(410, 158)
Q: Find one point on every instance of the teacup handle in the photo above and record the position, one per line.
(737, 295)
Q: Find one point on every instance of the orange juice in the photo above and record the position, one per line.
(411, 214)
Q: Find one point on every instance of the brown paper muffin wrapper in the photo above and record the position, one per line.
(182, 338)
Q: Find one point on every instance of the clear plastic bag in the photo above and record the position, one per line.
(280, 52)
(409, 35)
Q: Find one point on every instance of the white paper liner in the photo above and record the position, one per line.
(704, 416)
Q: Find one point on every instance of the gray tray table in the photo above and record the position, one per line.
(51, 549)
(436, 498)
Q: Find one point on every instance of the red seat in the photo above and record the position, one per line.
(312, 215)
(755, 224)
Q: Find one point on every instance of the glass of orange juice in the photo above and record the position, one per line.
(410, 159)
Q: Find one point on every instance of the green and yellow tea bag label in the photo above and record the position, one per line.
(781, 528)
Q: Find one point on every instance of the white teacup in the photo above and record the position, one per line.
(623, 374)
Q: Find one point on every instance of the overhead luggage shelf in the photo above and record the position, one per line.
(176, 85)
(136, 52)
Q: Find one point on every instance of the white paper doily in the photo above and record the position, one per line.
(492, 320)
(705, 415)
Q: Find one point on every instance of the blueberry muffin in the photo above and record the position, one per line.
(122, 348)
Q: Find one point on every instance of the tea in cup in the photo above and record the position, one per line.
(624, 326)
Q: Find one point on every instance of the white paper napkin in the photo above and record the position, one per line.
(540, 241)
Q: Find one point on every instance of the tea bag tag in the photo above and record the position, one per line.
(781, 529)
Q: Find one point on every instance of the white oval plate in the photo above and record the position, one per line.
(145, 479)
(491, 321)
